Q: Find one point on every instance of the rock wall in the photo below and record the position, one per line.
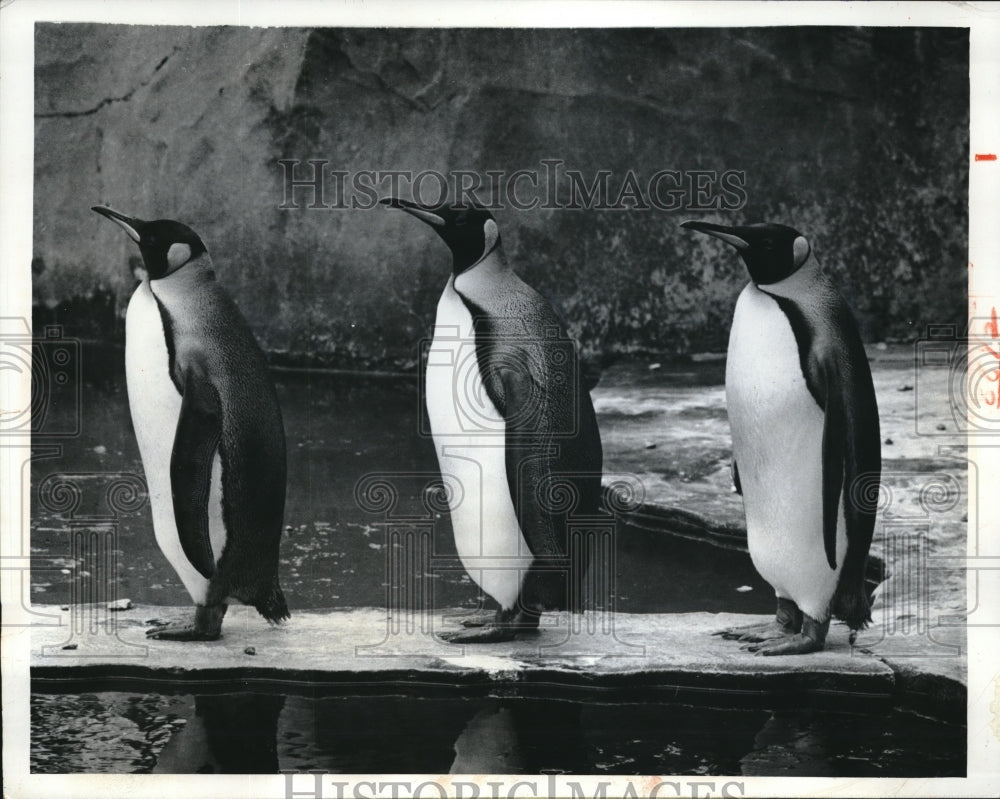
(858, 137)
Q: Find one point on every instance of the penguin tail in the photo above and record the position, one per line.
(851, 604)
(272, 606)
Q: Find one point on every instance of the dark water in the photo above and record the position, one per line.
(264, 733)
(344, 434)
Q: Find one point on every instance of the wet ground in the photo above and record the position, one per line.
(261, 733)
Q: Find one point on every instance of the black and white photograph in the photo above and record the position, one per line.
(581, 399)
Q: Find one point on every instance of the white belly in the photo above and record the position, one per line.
(469, 439)
(777, 430)
(155, 405)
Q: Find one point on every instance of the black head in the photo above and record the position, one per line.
(165, 245)
(469, 231)
(771, 252)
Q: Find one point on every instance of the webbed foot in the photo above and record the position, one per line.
(506, 625)
(756, 632)
(487, 634)
(478, 620)
(787, 621)
(207, 626)
(812, 638)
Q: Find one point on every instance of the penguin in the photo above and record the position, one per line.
(513, 424)
(209, 430)
(806, 444)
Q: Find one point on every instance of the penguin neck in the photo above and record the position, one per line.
(194, 273)
(796, 283)
(487, 269)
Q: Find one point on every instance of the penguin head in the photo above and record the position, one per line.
(771, 252)
(470, 232)
(165, 245)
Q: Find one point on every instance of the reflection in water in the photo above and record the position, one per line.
(809, 743)
(790, 746)
(518, 737)
(489, 744)
(226, 734)
(114, 732)
(371, 734)
(109, 733)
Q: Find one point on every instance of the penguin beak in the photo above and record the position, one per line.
(127, 223)
(419, 211)
(727, 234)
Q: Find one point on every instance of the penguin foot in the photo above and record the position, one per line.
(811, 639)
(477, 621)
(789, 645)
(506, 625)
(207, 626)
(756, 632)
(488, 634)
(787, 621)
(181, 632)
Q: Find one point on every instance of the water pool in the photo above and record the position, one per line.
(112, 732)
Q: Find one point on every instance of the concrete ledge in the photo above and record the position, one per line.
(640, 656)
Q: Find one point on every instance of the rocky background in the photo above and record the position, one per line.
(857, 137)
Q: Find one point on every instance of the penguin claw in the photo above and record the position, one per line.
(755, 633)
(797, 644)
(206, 626)
(487, 634)
(477, 621)
(767, 635)
(189, 633)
(186, 632)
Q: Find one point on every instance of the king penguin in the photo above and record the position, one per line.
(209, 430)
(806, 444)
(512, 423)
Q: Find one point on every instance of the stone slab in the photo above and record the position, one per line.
(598, 656)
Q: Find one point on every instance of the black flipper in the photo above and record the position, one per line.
(528, 461)
(736, 478)
(531, 458)
(551, 440)
(834, 434)
(196, 441)
(852, 397)
(835, 367)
